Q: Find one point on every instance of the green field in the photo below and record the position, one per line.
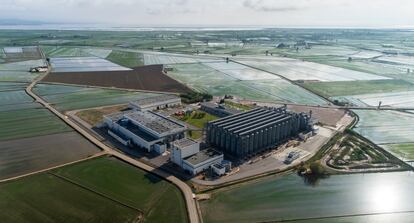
(67, 98)
(342, 88)
(46, 198)
(404, 151)
(127, 59)
(99, 190)
(158, 199)
(28, 123)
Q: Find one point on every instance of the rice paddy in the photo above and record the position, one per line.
(19, 71)
(240, 72)
(66, 98)
(14, 97)
(341, 88)
(395, 99)
(24, 123)
(125, 58)
(293, 69)
(166, 59)
(22, 156)
(339, 198)
(21, 117)
(98, 190)
(402, 151)
(79, 64)
(76, 52)
(255, 85)
(385, 127)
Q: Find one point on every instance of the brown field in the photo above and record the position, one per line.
(95, 115)
(148, 78)
(27, 155)
(326, 116)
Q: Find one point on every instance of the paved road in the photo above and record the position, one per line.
(186, 190)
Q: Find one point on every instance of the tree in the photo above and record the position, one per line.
(317, 169)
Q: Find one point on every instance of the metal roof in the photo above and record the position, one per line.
(203, 156)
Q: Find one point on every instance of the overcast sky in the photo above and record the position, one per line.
(278, 13)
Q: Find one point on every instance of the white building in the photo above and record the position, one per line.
(182, 149)
(155, 103)
(202, 161)
(219, 169)
(145, 129)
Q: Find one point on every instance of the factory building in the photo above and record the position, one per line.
(218, 110)
(202, 161)
(145, 129)
(182, 149)
(155, 103)
(186, 154)
(254, 131)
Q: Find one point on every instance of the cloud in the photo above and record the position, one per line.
(270, 6)
(289, 13)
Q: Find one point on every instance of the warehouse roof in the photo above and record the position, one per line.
(155, 122)
(203, 156)
(184, 142)
(156, 100)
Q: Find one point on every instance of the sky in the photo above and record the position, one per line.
(265, 13)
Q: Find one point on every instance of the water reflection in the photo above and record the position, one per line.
(313, 180)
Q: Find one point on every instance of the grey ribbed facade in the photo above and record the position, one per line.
(256, 130)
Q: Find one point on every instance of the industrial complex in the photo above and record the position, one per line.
(254, 131)
(238, 135)
(145, 129)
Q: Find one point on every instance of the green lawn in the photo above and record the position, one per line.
(28, 123)
(405, 151)
(127, 59)
(198, 119)
(342, 88)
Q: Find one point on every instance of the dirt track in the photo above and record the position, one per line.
(148, 78)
